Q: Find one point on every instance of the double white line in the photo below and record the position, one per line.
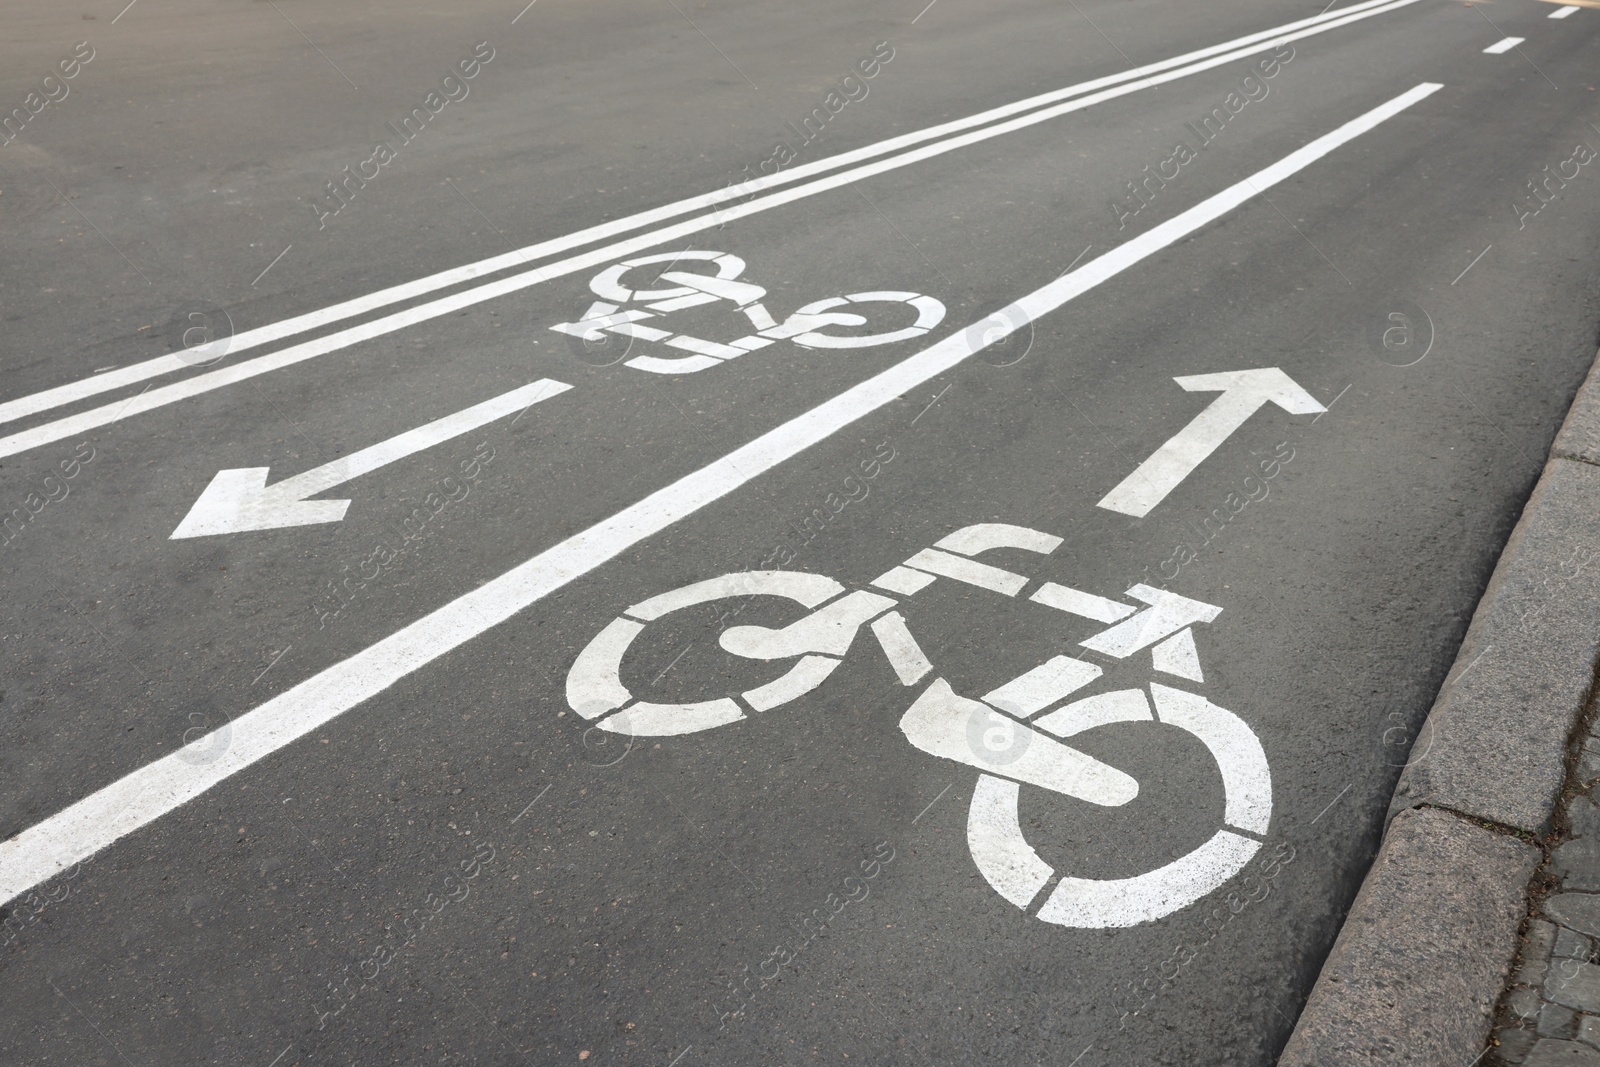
(945, 137)
(146, 794)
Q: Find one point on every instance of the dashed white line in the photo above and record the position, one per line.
(1562, 12)
(1503, 46)
(146, 794)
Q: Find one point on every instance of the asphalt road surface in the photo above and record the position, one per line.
(1108, 414)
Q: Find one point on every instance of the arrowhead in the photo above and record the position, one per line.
(1265, 384)
(240, 500)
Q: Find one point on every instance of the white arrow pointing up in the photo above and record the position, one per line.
(1243, 393)
(238, 500)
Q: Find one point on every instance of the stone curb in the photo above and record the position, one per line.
(1420, 961)
(1429, 943)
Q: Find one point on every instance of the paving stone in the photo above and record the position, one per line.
(1524, 1002)
(1570, 946)
(1562, 1054)
(1556, 1021)
(1537, 944)
(1583, 815)
(1515, 1043)
(1575, 911)
(1589, 761)
(1574, 984)
(1577, 863)
(1589, 1030)
(1532, 647)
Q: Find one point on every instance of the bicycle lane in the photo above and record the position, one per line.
(667, 567)
(880, 458)
(251, 612)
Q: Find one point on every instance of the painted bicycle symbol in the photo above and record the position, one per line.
(1012, 735)
(623, 312)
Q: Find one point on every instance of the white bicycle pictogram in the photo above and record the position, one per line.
(622, 311)
(1012, 735)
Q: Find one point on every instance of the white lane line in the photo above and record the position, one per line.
(1561, 12)
(72, 392)
(146, 794)
(1502, 46)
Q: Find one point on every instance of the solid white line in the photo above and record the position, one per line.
(74, 391)
(1503, 46)
(1561, 12)
(146, 794)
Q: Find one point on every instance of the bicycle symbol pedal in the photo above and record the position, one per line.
(623, 312)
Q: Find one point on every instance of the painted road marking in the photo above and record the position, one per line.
(141, 797)
(66, 394)
(938, 724)
(101, 416)
(241, 499)
(690, 289)
(1561, 12)
(1244, 392)
(1500, 47)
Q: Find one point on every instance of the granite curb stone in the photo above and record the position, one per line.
(1528, 659)
(1414, 974)
(1428, 944)
(1579, 436)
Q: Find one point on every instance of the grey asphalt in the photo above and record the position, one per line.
(629, 886)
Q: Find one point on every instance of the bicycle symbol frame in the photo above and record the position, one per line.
(1012, 735)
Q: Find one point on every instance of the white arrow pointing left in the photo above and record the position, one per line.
(238, 500)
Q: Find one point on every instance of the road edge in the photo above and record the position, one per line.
(1429, 943)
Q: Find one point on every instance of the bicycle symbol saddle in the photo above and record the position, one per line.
(1014, 735)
